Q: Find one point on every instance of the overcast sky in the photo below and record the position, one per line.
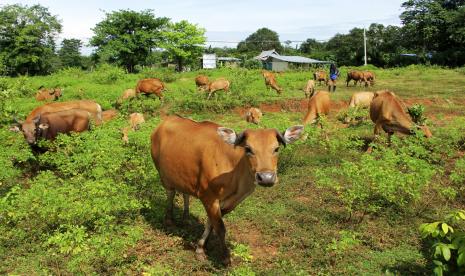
(233, 21)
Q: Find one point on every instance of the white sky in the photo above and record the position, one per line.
(233, 20)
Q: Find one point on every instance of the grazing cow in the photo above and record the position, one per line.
(216, 165)
(108, 115)
(45, 94)
(219, 84)
(267, 74)
(253, 115)
(309, 88)
(135, 119)
(49, 125)
(320, 76)
(368, 78)
(356, 76)
(318, 104)
(127, 94)
(361, 99)
(270, 81)
(201, 81)
(151, 86)
(387, 112)
(92, 107)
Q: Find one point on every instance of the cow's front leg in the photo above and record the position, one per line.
(214, 214)
(200, 250)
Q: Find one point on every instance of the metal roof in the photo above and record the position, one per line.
(228, 59)
(295, 59)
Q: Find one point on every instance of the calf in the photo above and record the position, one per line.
(309, 88)
(219, 84)
(361, 99)
(216, 165)
(135, 120)
(201, 81)
(253, 115)
(320, 76)
(45, 94)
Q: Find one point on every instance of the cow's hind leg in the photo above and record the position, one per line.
(169, 207)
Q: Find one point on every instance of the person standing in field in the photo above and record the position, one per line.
(333, 74)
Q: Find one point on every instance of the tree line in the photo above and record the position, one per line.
(432, 32)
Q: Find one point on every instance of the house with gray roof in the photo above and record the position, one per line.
(275, 62)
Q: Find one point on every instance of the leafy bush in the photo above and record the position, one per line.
(253, 64)
(417, 113)
(355, 114)
(107, 74)
(377, 181)
(448, 243)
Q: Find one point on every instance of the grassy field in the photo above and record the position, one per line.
(92, 204)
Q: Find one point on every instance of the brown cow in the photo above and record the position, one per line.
(151, 86)
(201, 81)
(49, 125)
(387, 112)
(318, 104)
(270, 81)
(127, 94)
(45, 94)
(219, 84)
(309, 88)
(361, 99)
(135, 119)
(253, 115)
(216, 165)
(29, 126)
(108, 115)
(356, 76)
(368, 78)
(320, 76)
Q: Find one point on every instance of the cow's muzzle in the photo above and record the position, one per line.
(266, 179)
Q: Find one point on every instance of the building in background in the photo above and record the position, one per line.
(275, 62)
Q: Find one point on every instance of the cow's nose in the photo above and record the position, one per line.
(266, 179)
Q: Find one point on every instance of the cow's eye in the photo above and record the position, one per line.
(276, 150)
(248, 150)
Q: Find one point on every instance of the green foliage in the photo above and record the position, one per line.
(107, 74)
(448, 243)
(261, 40)
(346, 241)
(458, 173)
(182, 42)
(27, 39)
(69, 53)
(416, 112)
(242, 251)
(253, 64)
(126, 37)
(384, 179)
(353, 114)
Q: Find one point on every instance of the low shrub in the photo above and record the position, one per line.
(107, 74)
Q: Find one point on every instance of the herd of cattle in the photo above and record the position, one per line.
(208, 161)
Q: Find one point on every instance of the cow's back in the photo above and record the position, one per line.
(187, 153)
(87, 105)
(387, 107)
(66, 121)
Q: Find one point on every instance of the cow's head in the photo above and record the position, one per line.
(261, 148)
(58, 92)
(32, 130)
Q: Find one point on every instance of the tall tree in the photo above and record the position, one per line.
(183, 42)
(311, 45)
(347, 48)
(127, 37)
(261, 40)
(70, 53)
(27, 38)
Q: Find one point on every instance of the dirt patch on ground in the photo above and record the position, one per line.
(251, 236)
(290, 106)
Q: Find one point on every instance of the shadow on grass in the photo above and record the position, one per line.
(190, 231)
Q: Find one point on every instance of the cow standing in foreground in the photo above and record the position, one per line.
(49, 125)
(318, 104)
(151, 86)
(216, 165)
(387, 112)
(45, 94)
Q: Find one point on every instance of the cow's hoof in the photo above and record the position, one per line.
(226, 261)
(200, 254)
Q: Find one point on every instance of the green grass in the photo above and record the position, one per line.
(93, 204)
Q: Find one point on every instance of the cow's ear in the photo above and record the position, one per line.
(43, 126)
(230, 136)
(291, 134)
